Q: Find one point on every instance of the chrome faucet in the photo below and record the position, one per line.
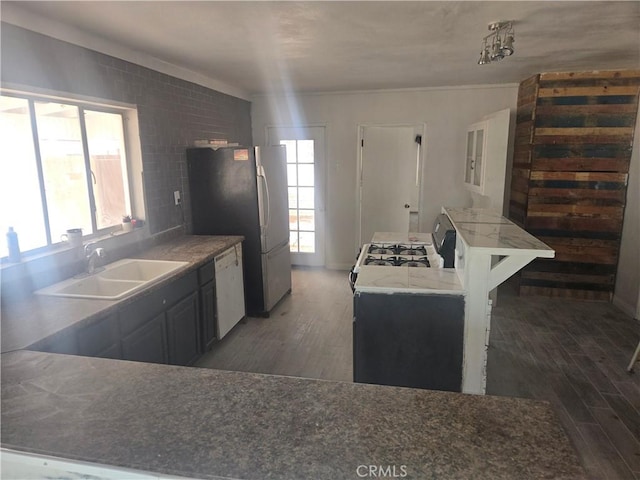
(90, 255)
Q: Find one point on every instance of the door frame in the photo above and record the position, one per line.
(360, 165)
(324, 170)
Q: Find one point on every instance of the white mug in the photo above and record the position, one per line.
(73, 237)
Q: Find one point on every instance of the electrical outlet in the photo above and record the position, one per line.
(176, 197)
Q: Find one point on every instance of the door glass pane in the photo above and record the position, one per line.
(293, 197)
(63, 167)
(305, 196)
(19, 186)
(291, 150)
(306, 220)
(293, 219)
(305, 175)
(293, 241)
(292, 176)
(478, 165)
(307, 242)
(469, 170)
(105, 138)
(305, 151)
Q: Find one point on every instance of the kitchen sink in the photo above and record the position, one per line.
(116, 281)
(139, 270)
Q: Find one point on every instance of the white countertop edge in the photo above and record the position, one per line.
(513, 252)
(412, 290)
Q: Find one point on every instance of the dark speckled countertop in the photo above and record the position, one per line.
(205, 423)
(37, 317)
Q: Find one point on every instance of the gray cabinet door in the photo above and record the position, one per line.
(101, 339)
(208, 314)
(182, 330)
(65, 343)
(409, 340)
(148, 343)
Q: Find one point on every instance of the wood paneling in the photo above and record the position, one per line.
(579, 163)
(587, 91)
(573, 143)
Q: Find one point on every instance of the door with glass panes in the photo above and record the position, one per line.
(305, 176)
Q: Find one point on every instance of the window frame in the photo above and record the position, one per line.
(82, 106)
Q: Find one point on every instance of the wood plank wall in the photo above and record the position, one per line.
(574, 136)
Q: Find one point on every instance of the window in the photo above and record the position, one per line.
(62, 166)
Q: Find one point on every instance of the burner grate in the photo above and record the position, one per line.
(371, 260)
(376, 249)
(413, 250)
(397, 249)
(414, 262)
(396, 261)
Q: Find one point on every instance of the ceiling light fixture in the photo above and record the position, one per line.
(499, 43)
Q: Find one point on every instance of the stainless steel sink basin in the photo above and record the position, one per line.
(116, 281)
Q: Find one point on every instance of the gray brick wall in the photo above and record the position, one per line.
(172, 112)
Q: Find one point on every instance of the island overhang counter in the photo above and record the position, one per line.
(489, 249)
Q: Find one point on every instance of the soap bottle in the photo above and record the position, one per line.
(13, 246)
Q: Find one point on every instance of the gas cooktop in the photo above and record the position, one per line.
(399, 249)
(415, 255)
(396, 255)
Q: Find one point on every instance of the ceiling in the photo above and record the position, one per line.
(323, 46)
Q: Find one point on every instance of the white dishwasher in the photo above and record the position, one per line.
(229, 289)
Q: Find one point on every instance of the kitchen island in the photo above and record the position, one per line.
(201, 423)
(422, 313)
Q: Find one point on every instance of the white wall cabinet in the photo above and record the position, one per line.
(486, 160)
(474, 170)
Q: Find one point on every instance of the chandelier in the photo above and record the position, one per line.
(498, 44)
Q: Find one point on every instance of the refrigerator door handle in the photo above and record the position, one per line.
(266, 192)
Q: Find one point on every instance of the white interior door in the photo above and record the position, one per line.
(305, 185)
(390, 159)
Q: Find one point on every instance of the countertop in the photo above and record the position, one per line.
(403, 238)
(382, 279)
(489, 232)
(475, 215)
(205, 423)
(37, 317)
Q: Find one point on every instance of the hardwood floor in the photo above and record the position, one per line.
(572, 354)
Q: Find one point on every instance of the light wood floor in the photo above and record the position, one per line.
(571, 354)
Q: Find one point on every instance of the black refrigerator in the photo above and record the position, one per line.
(243, 191)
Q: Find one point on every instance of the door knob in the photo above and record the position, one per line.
(406, 205)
